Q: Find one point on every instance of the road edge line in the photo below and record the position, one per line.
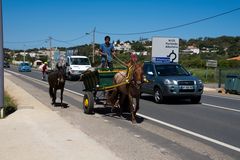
(191, 133)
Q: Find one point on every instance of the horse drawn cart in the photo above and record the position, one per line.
(99, 79)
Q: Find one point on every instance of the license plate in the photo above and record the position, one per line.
(186, 87)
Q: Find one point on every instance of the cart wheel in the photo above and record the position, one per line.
(88, 103)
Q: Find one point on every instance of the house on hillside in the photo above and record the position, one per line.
(191, 50)
(122, 46)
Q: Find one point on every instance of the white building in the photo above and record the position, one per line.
(191, 50)
(122, 46)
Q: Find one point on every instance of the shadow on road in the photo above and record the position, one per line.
(169, 101)
(64, 105)
(107, 111)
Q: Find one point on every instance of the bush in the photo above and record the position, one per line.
(9, 105)
(209, 75)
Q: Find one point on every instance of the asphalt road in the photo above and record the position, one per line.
(216, 118)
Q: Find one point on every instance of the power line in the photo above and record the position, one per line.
(67, 41)
(35, 41)
(62, 41)
(22, 42)
(173, 27)
(75, 39)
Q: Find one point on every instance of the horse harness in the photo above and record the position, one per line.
(130, 78)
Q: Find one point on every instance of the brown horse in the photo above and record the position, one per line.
(124, 94)
(56, 80)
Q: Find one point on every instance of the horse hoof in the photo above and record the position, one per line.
(134, 122)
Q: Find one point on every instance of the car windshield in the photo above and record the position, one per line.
(80, 61)
(171, 70)
(24, 64)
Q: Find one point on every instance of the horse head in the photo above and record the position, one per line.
(138, 75)
(61, 74)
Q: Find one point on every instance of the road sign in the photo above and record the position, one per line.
(212, 63)
(165, 47)
(161, 59)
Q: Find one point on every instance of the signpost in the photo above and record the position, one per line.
(212, 63)
(165, 47)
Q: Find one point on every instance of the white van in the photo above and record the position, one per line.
(76, 65)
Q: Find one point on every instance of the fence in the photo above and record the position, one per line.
(217, 75)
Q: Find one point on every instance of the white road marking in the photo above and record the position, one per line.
(219, 107)
(164, 123)
(231, 98)
(191, 133)
(40, 81)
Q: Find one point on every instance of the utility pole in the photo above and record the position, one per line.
(50, 48)
(93, 45)
(1, 64)
(24, 54)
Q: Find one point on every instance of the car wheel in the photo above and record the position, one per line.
(196, 100)
(158, 97)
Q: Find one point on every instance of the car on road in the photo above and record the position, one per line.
(24, 67)
(6, 64)
(171, 80)
(76, 65)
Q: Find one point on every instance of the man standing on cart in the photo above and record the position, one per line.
(107, 52)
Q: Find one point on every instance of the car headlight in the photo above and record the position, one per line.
(170, 82)
(200, 81)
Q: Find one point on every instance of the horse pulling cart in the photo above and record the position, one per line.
(99, 79)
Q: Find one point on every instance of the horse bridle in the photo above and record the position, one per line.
(60, 72)
(134, 83)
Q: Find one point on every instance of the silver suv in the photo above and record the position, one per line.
(171, 80)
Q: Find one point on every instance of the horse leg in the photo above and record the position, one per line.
(137, 105)
(62, 96)
(130, 98)
(122, 103)
(54, 96)
(112, 99)
(50, 91)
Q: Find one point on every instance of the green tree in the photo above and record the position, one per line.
(138, 47)
(233, 50)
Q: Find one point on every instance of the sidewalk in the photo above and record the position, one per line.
(213, 87)
(34, 132)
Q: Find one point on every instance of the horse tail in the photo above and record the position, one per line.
(51, 91)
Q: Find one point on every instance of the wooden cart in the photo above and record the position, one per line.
(99, 79)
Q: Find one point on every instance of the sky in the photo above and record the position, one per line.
(30, 23)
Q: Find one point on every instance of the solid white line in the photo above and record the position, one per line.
(231, 98)
(219, 107)
(191, 133)
(166, 124)
(27, 77)
(40, 81)
(79, 94)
